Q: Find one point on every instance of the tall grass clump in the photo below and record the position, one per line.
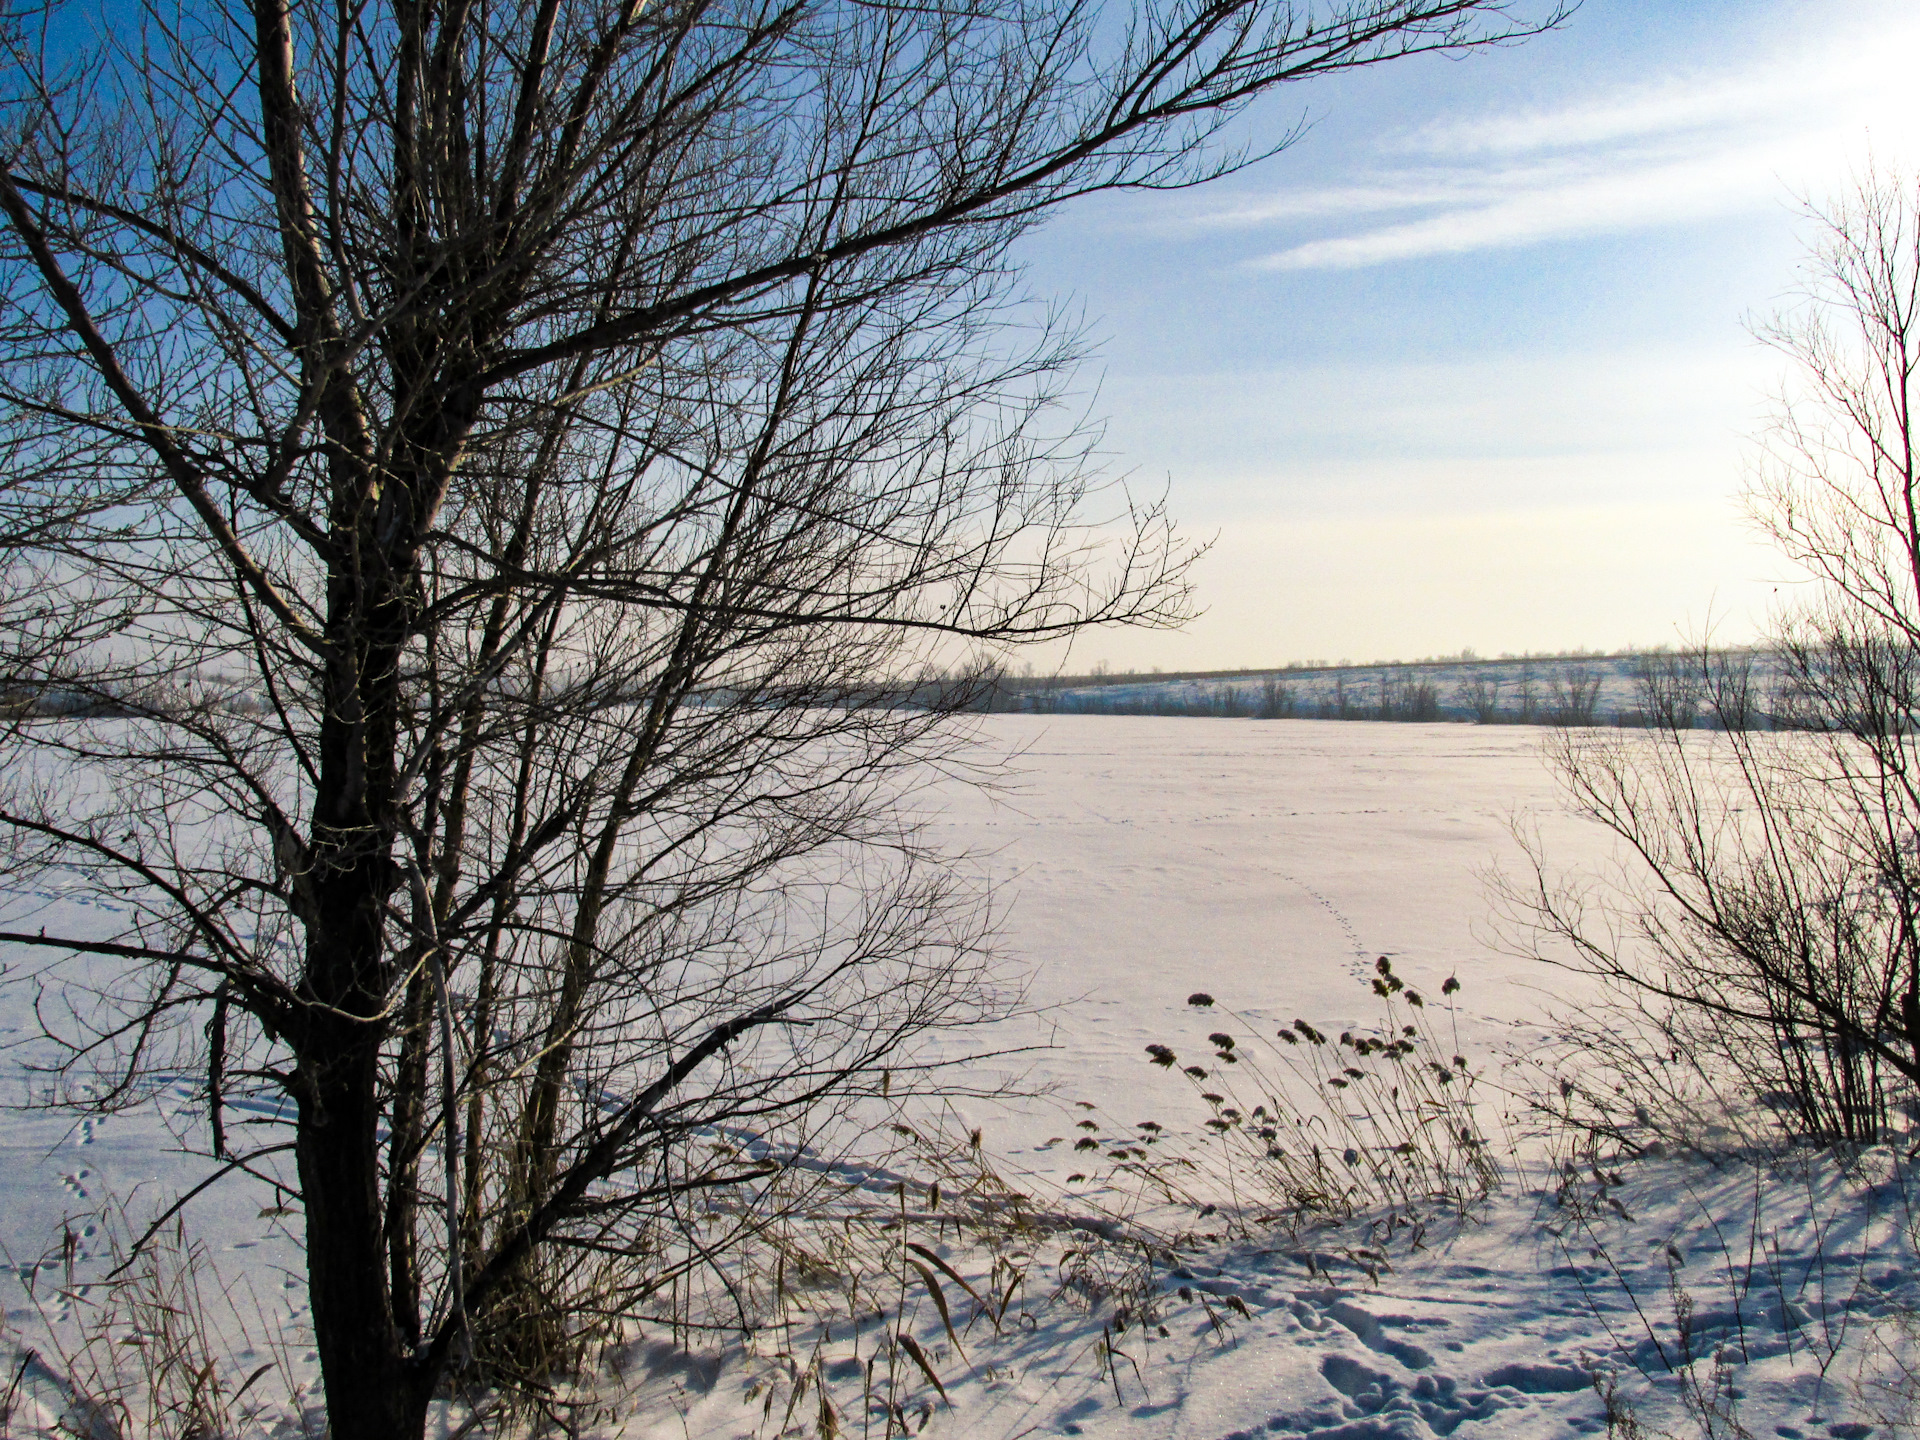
(1302, 1125)
(155, 1343)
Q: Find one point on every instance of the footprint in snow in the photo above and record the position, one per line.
(74, 1183)
(1314, 1308)
(1373, 1405)
(1539, 1379)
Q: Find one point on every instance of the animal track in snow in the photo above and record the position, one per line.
(1369, 1403)
(1370, 1331)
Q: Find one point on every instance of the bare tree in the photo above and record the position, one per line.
(1277, 700)
(1480, 693)
(1668, 687)
(482, 467)
(1526, 692)
(1732, 696)
(1574, 693)
(1772, 922)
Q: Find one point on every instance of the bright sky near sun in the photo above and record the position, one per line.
(1465, 367)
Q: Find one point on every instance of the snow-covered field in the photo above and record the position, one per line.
(1268, 864)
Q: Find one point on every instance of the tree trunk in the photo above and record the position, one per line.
(375, 1390)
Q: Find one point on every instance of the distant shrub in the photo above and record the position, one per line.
(1668, 689)
(1277, 700)
(1575, 695)
(1479, 693)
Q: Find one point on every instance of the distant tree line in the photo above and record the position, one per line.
(1698, 689)
(1733, 689)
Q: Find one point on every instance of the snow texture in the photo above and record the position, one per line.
(1143, 859)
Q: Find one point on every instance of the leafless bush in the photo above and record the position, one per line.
(1526, 694)
(1734, 699)
(1668, 689)
(1760, 945)
(1480, 693)
(1765, 926)
(1277, 700)
(1574, 695)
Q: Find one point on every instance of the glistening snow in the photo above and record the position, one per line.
(1267, 863)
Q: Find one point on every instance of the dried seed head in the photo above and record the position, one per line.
(1200, 998)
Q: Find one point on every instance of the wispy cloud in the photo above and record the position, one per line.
(1662, 109)
(1577, 201)
(1670, 151)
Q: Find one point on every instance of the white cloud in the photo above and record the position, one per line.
(1387, 191)
(1665, 109)
(1579, 201)
(1670, 151)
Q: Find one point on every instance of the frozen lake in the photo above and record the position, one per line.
(1265, 862)
(1268, 863)
(1136, 860)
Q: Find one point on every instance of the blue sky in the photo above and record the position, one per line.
(1465, 367)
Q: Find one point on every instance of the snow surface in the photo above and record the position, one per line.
(1141, 859)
